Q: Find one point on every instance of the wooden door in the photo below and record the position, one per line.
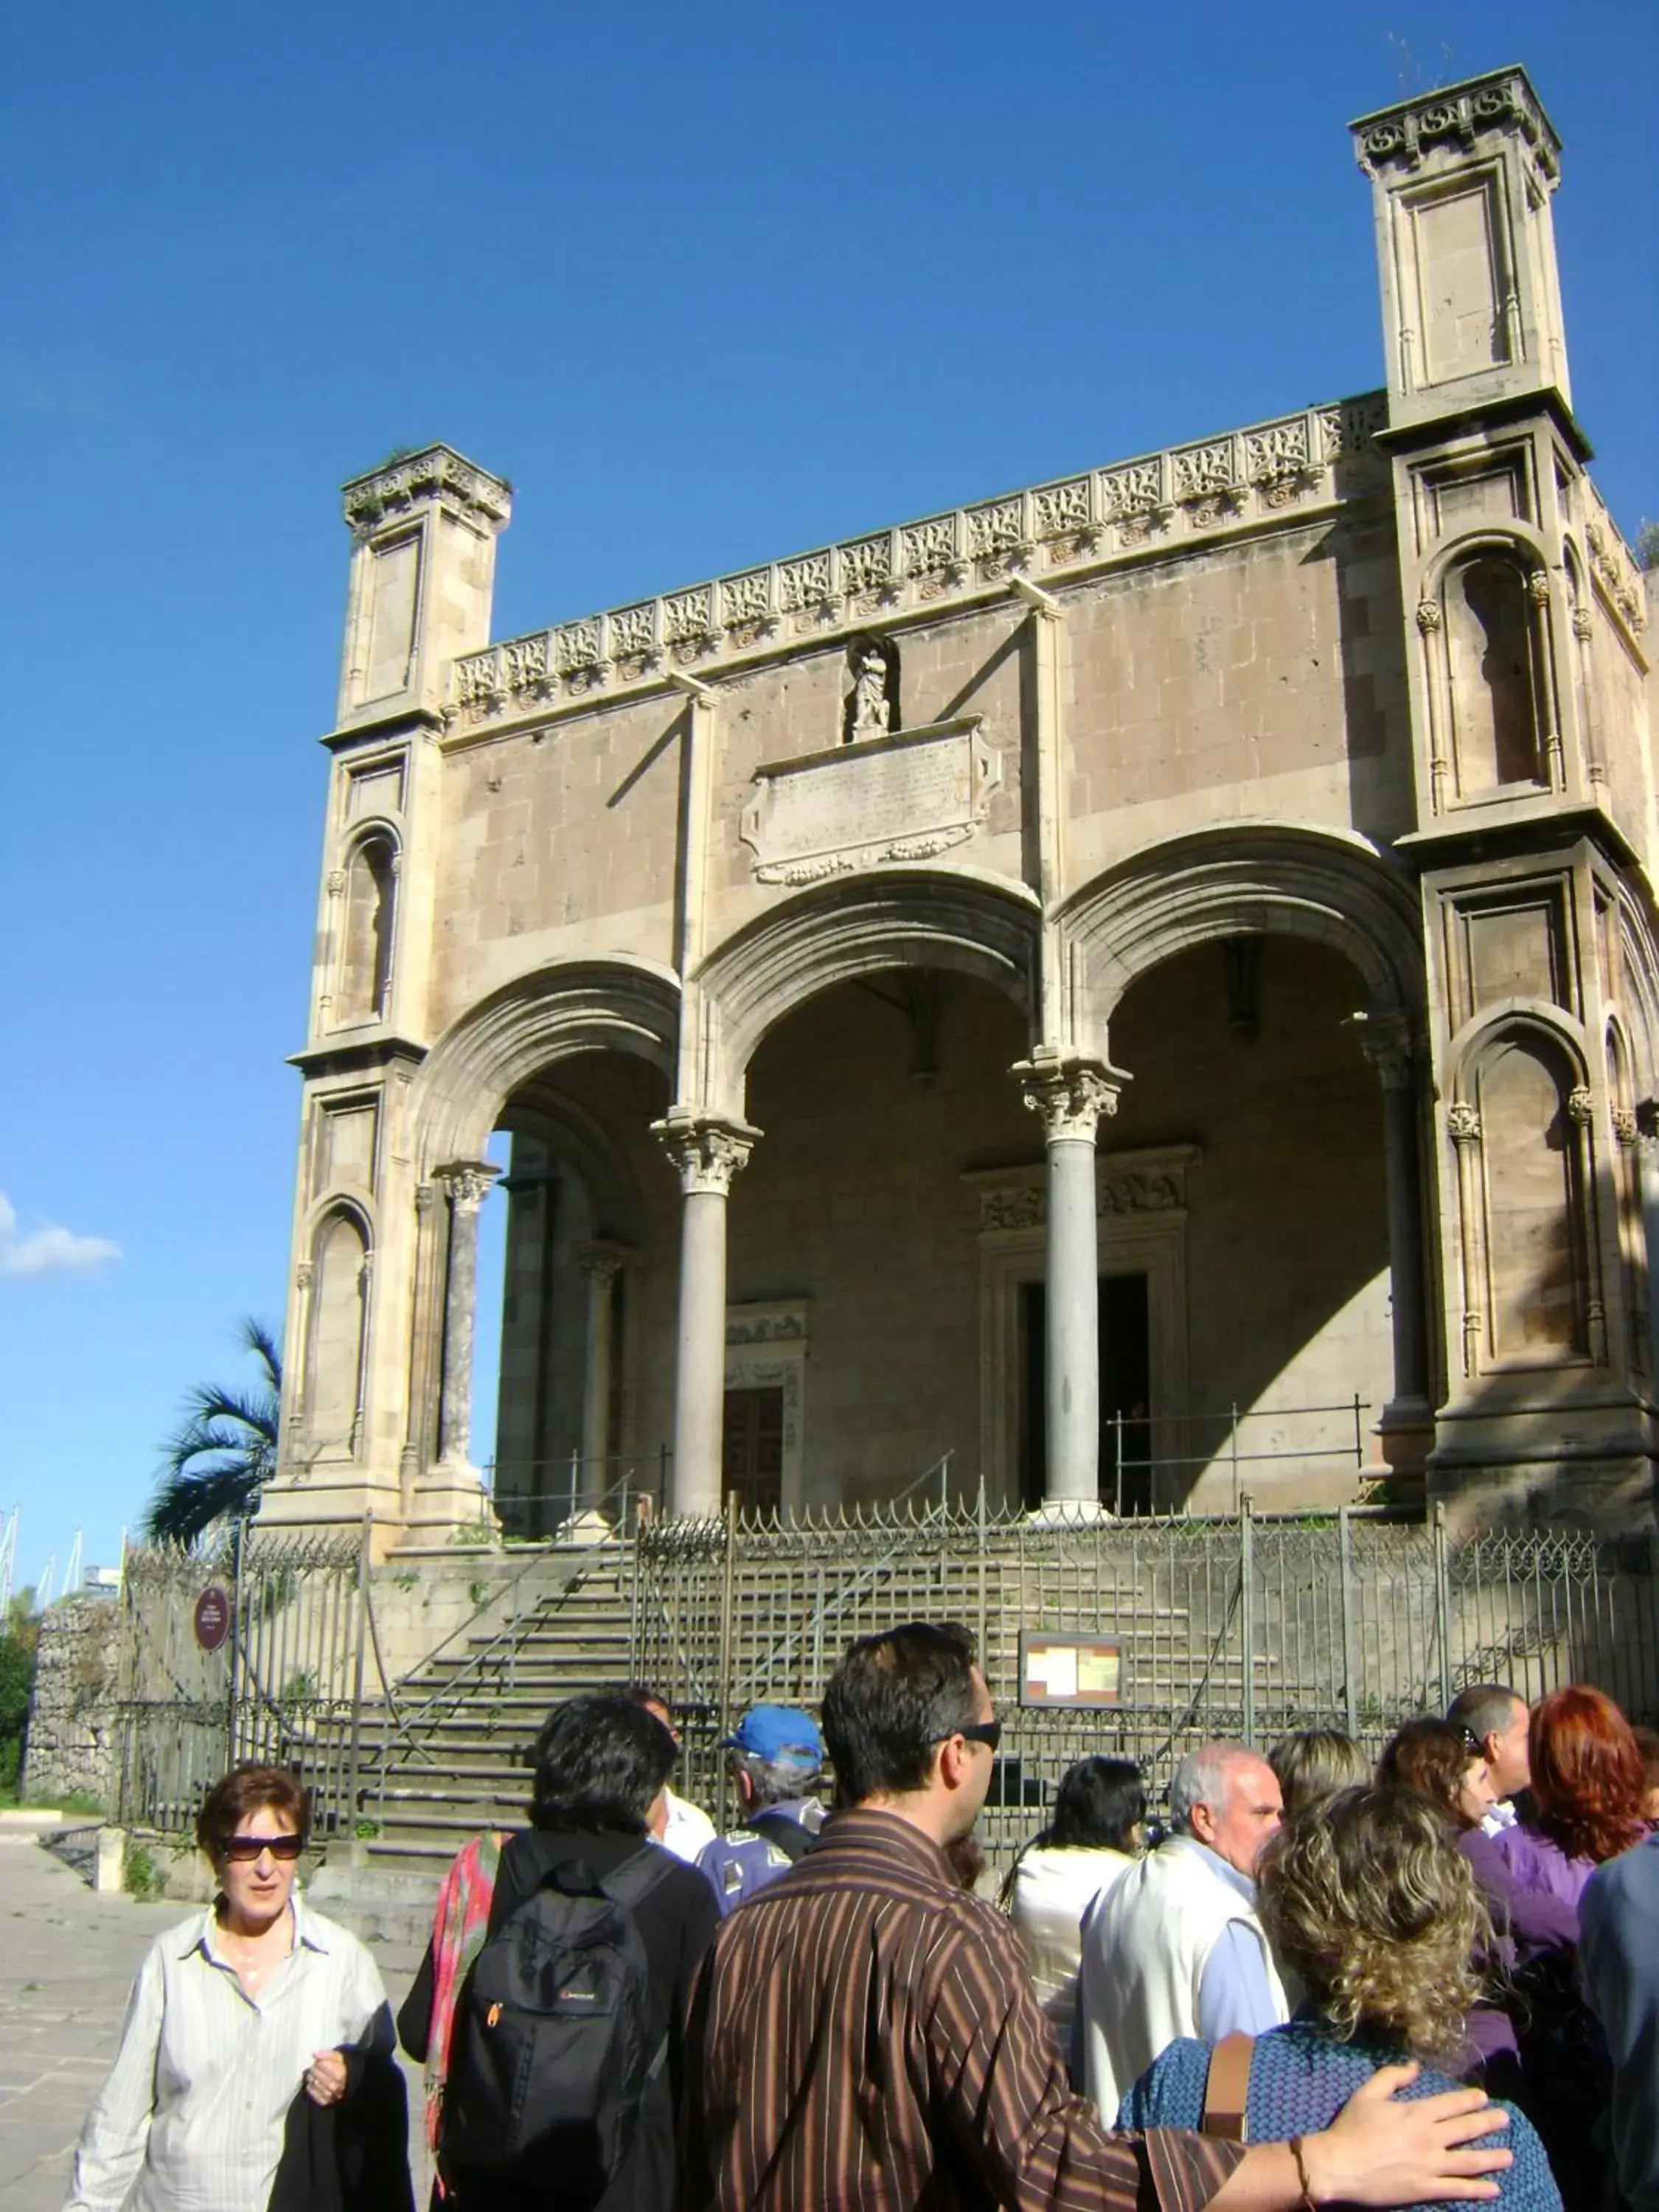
(753, 1448)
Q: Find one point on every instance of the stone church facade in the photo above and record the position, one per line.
(1135, 989)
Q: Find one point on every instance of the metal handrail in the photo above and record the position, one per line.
(455, 1690)
(828, 1608)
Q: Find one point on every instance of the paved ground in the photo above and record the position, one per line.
(67, 1959)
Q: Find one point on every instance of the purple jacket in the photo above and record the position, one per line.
(1531, 1886)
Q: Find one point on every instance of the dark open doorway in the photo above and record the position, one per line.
(1126, 1433)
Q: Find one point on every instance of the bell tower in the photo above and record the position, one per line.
(1460, 181)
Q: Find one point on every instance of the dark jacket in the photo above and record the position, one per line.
(675, 1922)
(352, 2156)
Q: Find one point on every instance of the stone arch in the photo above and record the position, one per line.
(1637, 987)
(1555, 1030)
(975, 925)
(1243, 881)
(570, 1006)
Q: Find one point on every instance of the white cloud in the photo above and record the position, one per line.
(49, 1250)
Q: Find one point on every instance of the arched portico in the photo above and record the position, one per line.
(1243, 882)
(969, 924)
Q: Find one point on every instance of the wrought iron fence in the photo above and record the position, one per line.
(1236, 1626)
(1241, 1626)
(252, 1648)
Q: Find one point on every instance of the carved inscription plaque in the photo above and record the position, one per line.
(904, 797)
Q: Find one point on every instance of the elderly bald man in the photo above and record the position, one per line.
(1174, 1947)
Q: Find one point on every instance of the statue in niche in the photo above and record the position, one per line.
(871, 706)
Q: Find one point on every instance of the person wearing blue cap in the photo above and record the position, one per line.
(776, 1758)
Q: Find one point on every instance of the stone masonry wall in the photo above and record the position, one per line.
(72, 1743)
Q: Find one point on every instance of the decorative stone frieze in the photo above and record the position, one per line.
(1215, 484)
(1128, 1186)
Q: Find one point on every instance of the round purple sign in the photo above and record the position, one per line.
(212, 1618)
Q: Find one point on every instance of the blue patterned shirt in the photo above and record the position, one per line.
(1300, 2078)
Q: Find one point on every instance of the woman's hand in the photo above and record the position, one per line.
(326, 2077)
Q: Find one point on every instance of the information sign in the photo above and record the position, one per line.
(1058, 1669)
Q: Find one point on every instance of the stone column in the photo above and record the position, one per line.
(707, 1152)
(1647, 1163)
(601, 1261)
(1071, 1093)
(1388, 1048)
(467, 1183)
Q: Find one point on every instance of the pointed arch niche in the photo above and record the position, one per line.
(362, 980)
(1523, 1134)
(335, 1336)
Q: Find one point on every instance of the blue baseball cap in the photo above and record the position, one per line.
(781, 1733)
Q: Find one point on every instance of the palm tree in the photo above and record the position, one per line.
(216, 1462)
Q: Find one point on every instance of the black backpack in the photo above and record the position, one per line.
(552, 2050)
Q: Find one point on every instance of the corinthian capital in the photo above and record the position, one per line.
(1387, 1042)
(1069, 1092)
(707, 1151)
(1463, 1120)
(467, 1183)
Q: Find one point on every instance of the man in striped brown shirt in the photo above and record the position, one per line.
(862, 2037)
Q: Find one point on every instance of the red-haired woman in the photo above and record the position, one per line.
(1590, 1789)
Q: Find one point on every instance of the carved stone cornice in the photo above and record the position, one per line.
(1069, 1092)
(437, 473)
(467, 1183)
(1459, 114)
(706, 1150)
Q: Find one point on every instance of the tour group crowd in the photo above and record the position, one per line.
(1312, 1982)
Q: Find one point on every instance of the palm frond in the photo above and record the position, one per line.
(184, 1507)
(223, 1450)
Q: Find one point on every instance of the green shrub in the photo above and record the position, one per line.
(140, 1875)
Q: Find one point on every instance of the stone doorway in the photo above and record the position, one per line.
(1125, 1392)
(752, 1449)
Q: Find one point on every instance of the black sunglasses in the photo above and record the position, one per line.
(241, 1850)
(989, 1732)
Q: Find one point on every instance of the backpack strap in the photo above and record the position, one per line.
(792, 1837)
(633, 1881)
(1227, 2092)
(628, 1886)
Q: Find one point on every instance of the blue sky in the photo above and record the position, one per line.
(708, 284)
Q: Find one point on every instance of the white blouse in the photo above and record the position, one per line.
(1054, 1887)
(191, 2117)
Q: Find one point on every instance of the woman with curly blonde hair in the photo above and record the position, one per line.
(1372, 1906)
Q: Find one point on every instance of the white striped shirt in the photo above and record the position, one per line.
(191, 2118)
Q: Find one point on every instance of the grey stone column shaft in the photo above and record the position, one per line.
(601, 1262)
(467, 1185)
(1396, 1066)
(1071, 1095)
(708, 1153)
(1647, 1159)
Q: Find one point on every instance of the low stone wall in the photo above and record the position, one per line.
(73, 1736)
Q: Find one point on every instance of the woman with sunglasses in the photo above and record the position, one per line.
(235, 2014)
